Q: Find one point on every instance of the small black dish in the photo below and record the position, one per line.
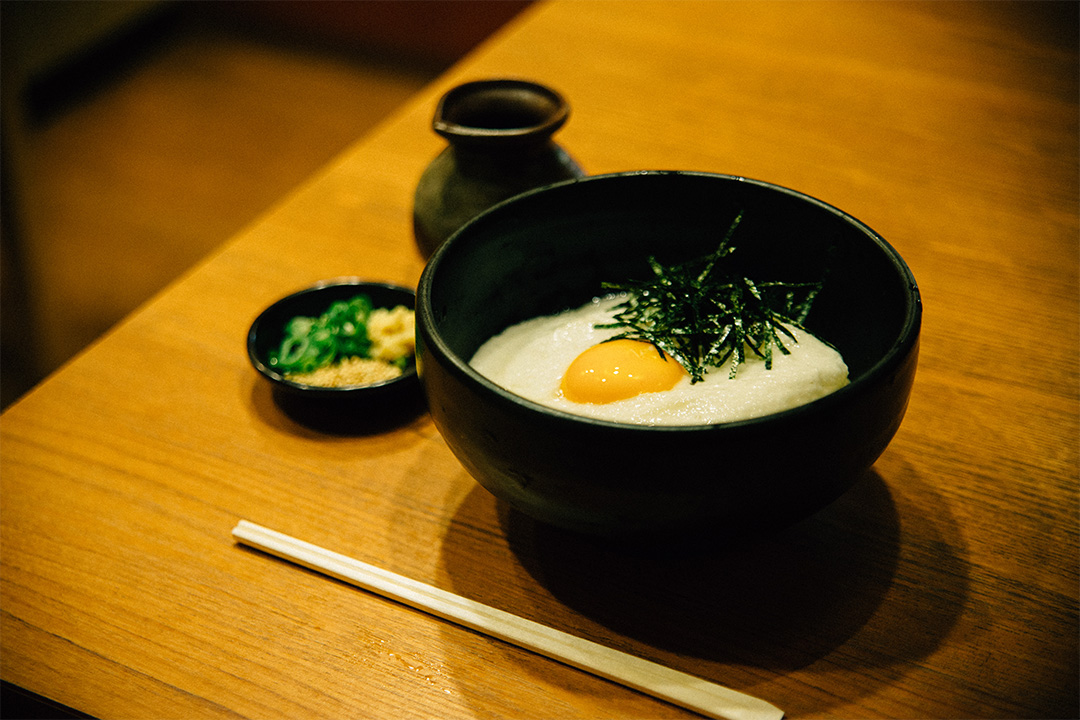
(354, 408)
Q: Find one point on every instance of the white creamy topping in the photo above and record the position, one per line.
(530, 358)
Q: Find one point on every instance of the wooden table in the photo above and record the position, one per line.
(943, 585)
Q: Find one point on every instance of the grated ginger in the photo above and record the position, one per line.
(392, 333)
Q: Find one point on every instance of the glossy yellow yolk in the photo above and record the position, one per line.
(618, 370)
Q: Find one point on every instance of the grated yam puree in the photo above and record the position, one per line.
(530, 359)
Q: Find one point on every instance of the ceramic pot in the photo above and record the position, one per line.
(500, 144)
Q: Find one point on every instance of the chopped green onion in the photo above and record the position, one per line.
(311, 343)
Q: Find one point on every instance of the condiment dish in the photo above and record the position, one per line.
(550, 249)
(333, 407)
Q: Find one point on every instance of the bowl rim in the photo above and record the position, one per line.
(279, 379)
(907, 338)
(463, 133)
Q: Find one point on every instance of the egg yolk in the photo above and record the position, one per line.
(618, 370)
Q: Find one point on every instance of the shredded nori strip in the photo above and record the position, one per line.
(701, 314)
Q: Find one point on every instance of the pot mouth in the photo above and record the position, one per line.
(499, 110)
(905, 342)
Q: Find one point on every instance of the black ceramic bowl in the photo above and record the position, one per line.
(354, 405)
(549, 249)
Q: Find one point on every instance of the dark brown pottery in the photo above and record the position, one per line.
(499, 134)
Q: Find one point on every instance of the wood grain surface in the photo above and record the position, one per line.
(944, 585)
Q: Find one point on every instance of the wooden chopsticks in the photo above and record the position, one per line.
(679, 688)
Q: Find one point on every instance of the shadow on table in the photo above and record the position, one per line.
(779, 603)
(19, 704)
(346, 418)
